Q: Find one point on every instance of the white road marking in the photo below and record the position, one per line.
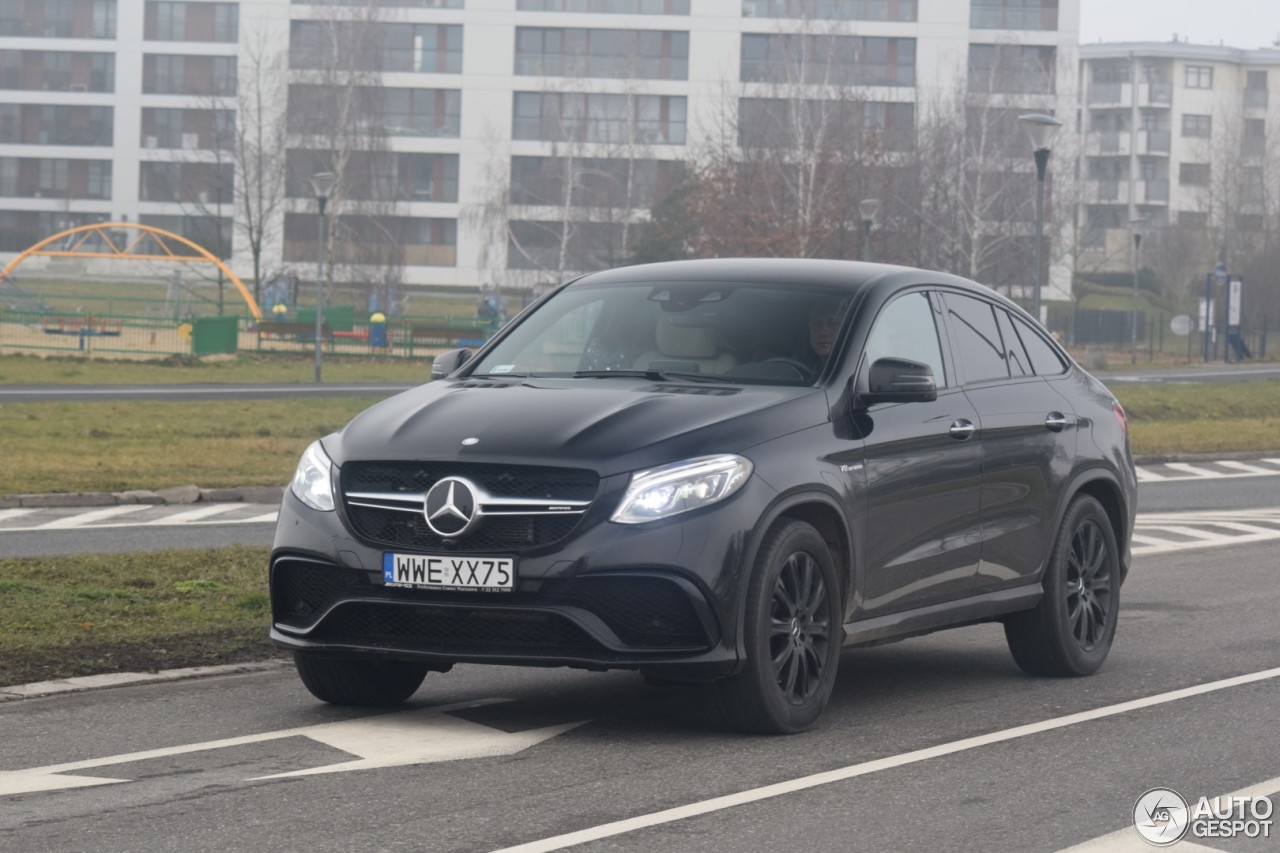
(196, 514)
(266, 517)
(387, 740)
(1186, 472)
(1248, 469)
(6, 514)
(1203, 529)
(85, 518)
(1196, 470)
(1128, 841)
(608, 830)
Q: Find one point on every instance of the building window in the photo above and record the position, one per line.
(539, 245)
(1014, 15)
(57, 71)
(376, 240)
(79, 19)
(49, 124)
(426, 48)
(832, 10)
(1012, 69)
(1197, 126)
(607, 7)
(591, 182)
(783, 123)
(399, 111)
(625, 54)
(1198, 76)
(1194, 174)
(1254, 141)
(212, 232)
(206, 184)
(204, 130)
(379, 176)
(391, 4)
(571, 116)
(832, 60)
(165, 74)
(177, 20)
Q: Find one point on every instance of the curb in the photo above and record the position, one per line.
(176, 495)
(1227, 455)
(121, 679)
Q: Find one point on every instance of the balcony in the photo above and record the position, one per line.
(1155, 94)
(1154, 141)
(1107, 143)
(1104, 192)
(1111, 95)
(1153, 192)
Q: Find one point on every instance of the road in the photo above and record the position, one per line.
(70, 393)
(937, 743)
(1223, 485)
(49, 393)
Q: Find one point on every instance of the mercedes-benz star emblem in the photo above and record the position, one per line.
(451, 507)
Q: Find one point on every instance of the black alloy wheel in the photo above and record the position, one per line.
(792, 634)
(1070, 632)
(799, 628)
(1088, 585)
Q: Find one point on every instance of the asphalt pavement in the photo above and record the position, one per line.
(937, 743)
(47, 393)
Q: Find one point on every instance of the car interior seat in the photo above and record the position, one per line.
(685, 343)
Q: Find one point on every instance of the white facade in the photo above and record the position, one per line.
(1163, 123)
(942, 31)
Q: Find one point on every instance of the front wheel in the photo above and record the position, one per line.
(1070, 631)
(362, 682)
(793, 632)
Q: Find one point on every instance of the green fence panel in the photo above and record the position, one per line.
(339, 318)
(210, 335)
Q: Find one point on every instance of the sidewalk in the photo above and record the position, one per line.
(175, 495)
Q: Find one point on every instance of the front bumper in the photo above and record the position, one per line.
(662, 596)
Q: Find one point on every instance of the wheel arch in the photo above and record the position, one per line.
(1103, 486)
(820, 511)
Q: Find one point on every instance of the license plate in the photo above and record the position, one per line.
(449, 572)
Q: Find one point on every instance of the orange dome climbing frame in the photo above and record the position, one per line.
(147, 244)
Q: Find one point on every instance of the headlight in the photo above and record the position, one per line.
(673, 489)
(311, 481)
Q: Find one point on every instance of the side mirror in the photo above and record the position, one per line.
(448, 362)
(898, 380)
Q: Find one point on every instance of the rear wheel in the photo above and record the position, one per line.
(1070, 632)
(792, 636)
(351, 681)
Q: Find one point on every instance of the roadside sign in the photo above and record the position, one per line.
(1233, 315)
(1180, 325)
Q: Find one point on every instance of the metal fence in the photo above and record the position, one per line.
(1156, 339)
(93, 333)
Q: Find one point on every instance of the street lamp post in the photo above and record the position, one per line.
(321, 184)
(868, 208)
(1218, 276)
(1136, 224)
(1041, 130)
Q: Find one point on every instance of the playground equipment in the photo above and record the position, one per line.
(127, 241)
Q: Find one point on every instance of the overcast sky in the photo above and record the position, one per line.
(1236, 23)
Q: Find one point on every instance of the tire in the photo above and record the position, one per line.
(365, 683)
(1070, 631)
(792, 635)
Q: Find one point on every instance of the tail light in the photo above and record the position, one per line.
(1121, 416)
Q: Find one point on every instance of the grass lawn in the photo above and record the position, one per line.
(112, 446)
(86, 614)
(33, 370)
(1202, 417)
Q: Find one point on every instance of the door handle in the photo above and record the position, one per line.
(962, 429)
(1055, 422)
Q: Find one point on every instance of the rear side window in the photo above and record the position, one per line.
(905, 329)
(1015, 355)
(1044, 358)
(973, 328)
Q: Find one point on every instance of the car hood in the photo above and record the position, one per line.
(608, 425)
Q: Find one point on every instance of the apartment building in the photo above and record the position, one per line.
(1176, 134)
(113, 109)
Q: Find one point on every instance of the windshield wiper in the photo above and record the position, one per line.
(653, 375)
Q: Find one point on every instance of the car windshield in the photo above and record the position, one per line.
(743, 333)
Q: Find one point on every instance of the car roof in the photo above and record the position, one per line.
(848, 275)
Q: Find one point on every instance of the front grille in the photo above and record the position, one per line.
(509, 533)
(459, 630)
(644, 611)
